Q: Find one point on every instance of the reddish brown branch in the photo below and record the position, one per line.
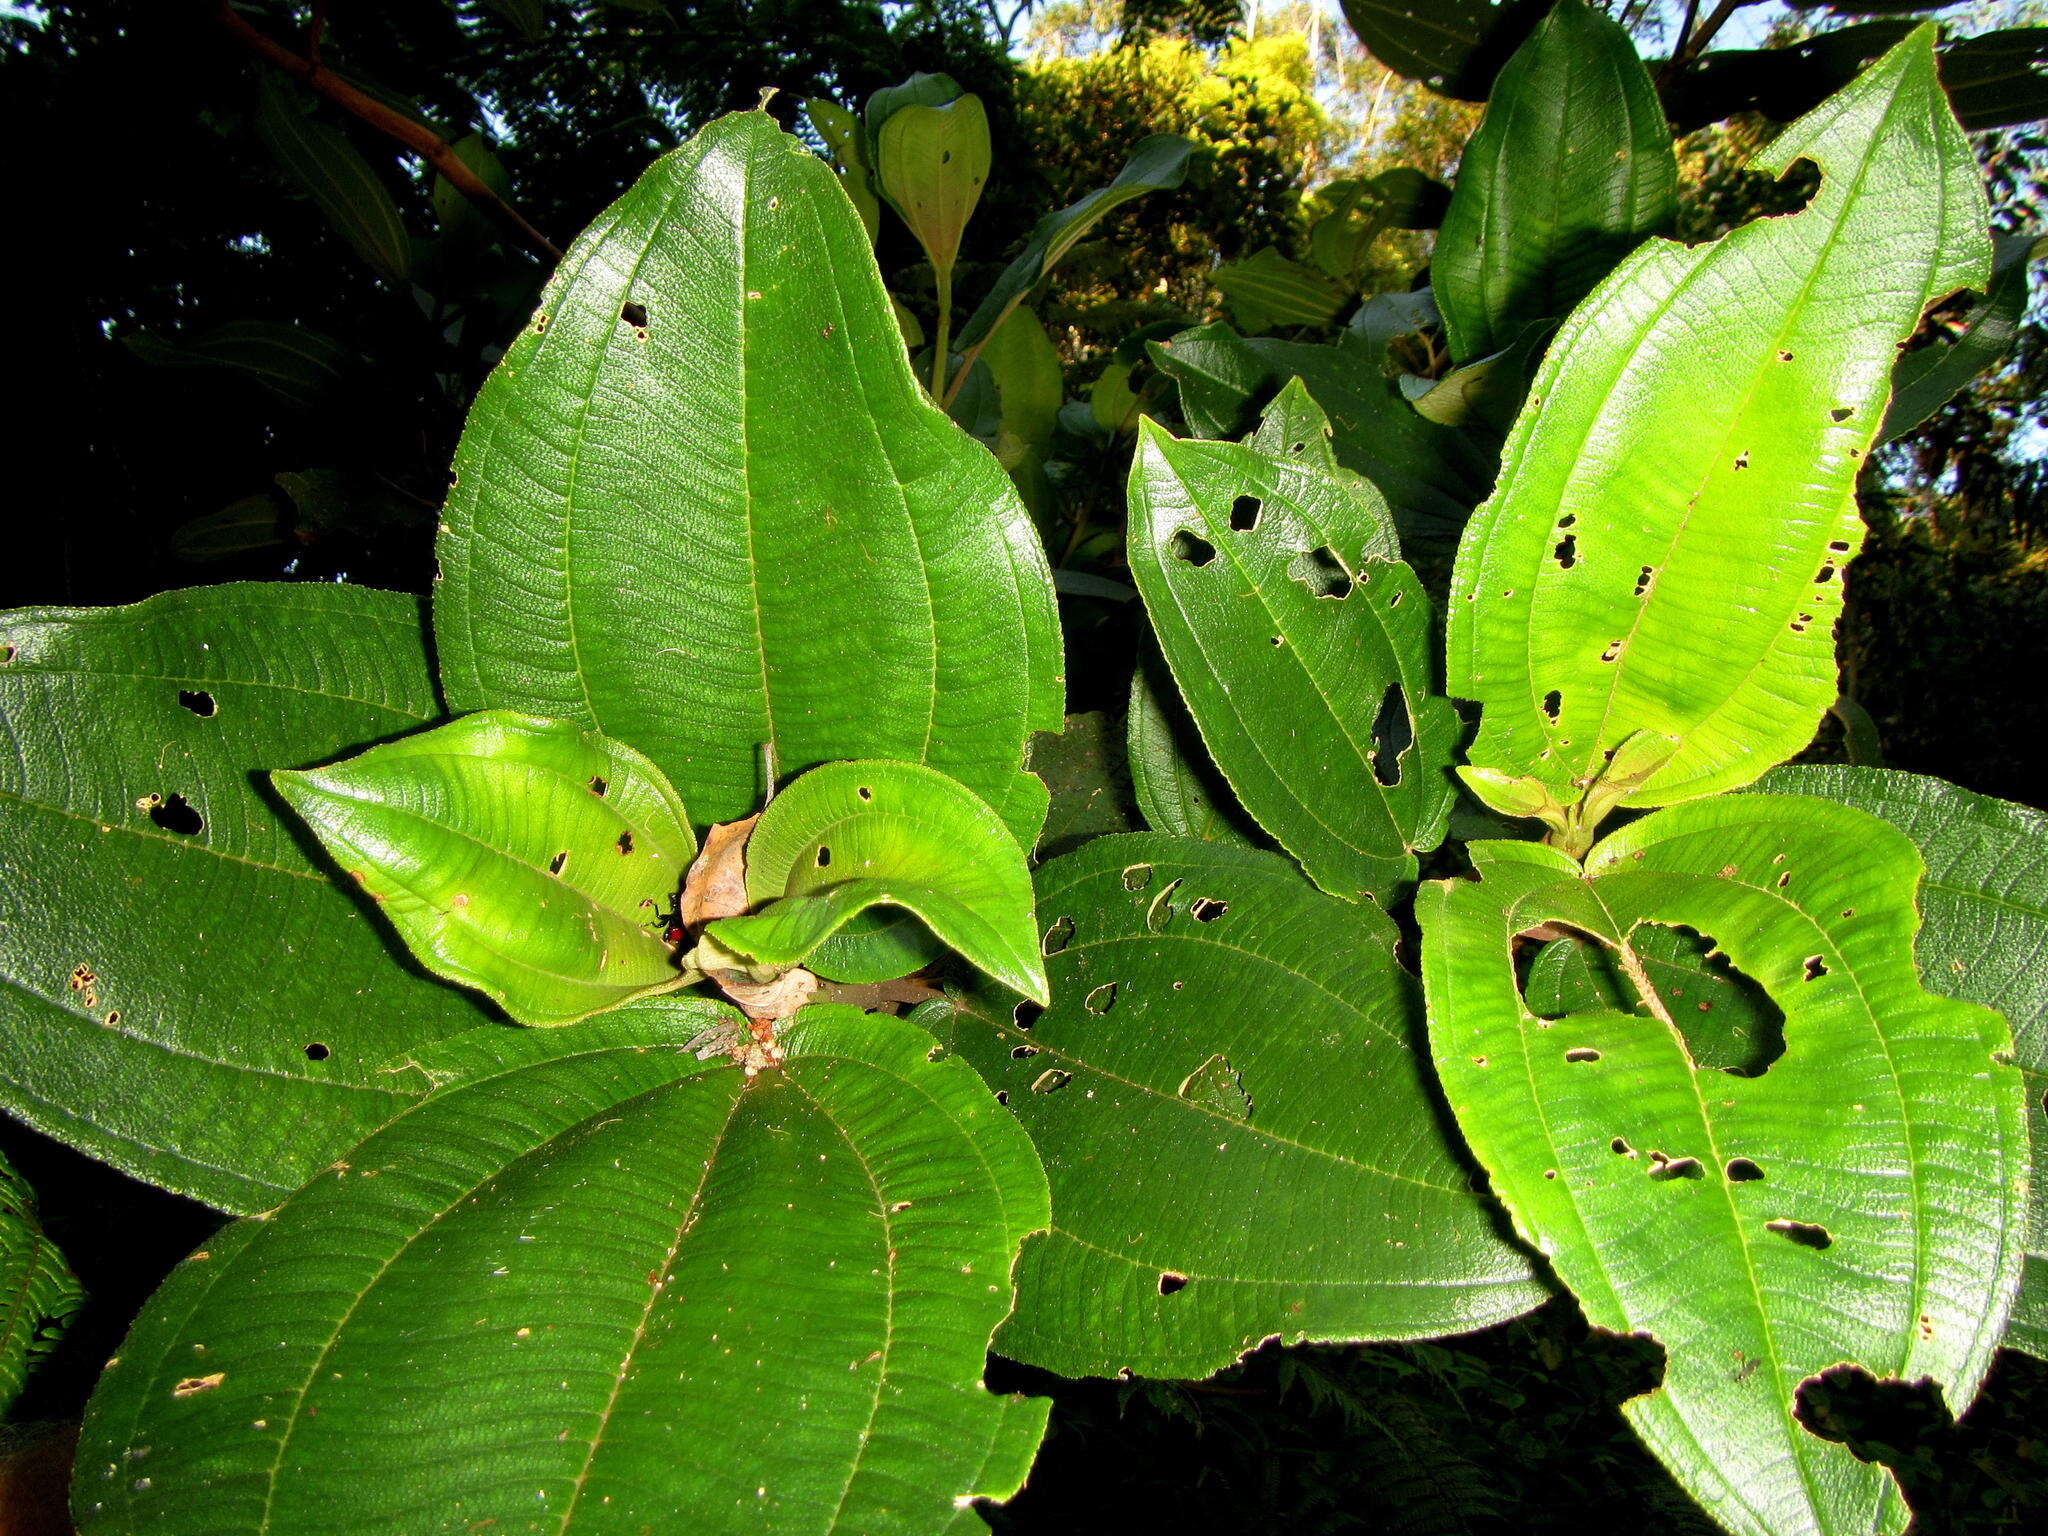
(422, 141)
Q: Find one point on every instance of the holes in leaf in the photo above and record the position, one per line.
(1169, 1282)
(1569, 520)
(317, 1052)
(199, 701)
(1058, 936)
(1621, 1148)
(823, 858)
(1019, 1052)
(634, 315)
(1838, 546)
(1191, 547)
(1742, 459)
(1102, 999)
(598, 787)
(1026, 1013)
(1840, 413)
(1824, 575)
(1663, 1168)
(558, 862)
(1566, 554)
(1553, 705)
(1393, 733)
(1784, 356)
(1804, 1233)
(1643, 579)
(1002, 1096)
(625, 843)
(1297, 447)
(176, 815)
(1244, 514)
(1322, 573)
(1613, 651)
(1814, 968)
(1137, 877)
(1741, 1170)
(1207, 909)
(1051, 1080)
(1582, 1053)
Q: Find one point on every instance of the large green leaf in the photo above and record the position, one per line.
(595, 1286)
(527, 858)
(1299, 641)
(1570, 170)
(1664, 548)
(1861, 1202)
(206, 1009)
(1454, 45)
(1242, 1140)
(1983, 938)
(850, 836)
(37, 1292)
(702, 506)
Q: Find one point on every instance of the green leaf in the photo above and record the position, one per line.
(1456, 46)
(293, 364)
(343, 185)
(204, 1009)
(1158, 164)
(1266, 291)
(1177, 788)
(38, 1295)
(1025, 369)
(843, 135)
(1862, 1201)
(1241, 1138)
(1300, 643)
(529, 859)
(931, 163)
(1995, 78)
(453, 210)
(1484, 396)
(1085, 771)
(1360, 208)
(1925, 379)
(1983, 938)
(850, 836)
(1570, 170)
(702, 505)
(1691, 448)
(641, 1284)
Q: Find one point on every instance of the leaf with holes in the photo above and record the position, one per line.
(1861, 1201)
(851, 836)
(189, 994)
(1196, 1091)
(627, 1283)
(524, 857)
(703, 492)
(38, 1295)
(1570, 170)
(1983, 938)
(1300, 643)
(1676, 503)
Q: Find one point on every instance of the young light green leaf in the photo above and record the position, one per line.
(1177, 788)
(703, 505)
(842, 134)
(1266, 291)
(342, 184)
(1570, 170)
(1691, 448)
(529, 859)
(654, 1284)
(1862, 1201)
(1025, 370)
(190, 995)
(931, 163)
(1195, 1090)
(1299, 641)
(38, 1294)
(850, 836)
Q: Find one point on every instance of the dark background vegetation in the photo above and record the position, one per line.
(153, 449)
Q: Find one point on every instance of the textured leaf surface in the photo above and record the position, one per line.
(595, 1283)
(1242, 1141)
(37, 1292)
(1861, 1201)
(527, 858)
(1266, 290)
(1663, 551)
(702, 505)
(208, 1010)
(1299, 641)
(1571, 168)
(1983, 938)
(850, 836)
(1177, 788)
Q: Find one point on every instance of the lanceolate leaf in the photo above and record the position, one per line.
(344, 186)
(850, 836)
(37, 1293)
(190, 995)
(1861, 1201)
(1299, 641)
(527, 858)
(1178, 789)
(1664, 549)
(1570, 170)
(1983, 938)
(1241, 1139)
(595, 1286)
(703, 506)
(1267, 290)
(1926, 378)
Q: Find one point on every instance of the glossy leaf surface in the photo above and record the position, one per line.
(1861, 1201)
(1241, 1137)
(191, 995)
(1663, 551)
(37, 1292)
(703, 506)
(527, 858)
(1299, 641)
(1570, 170)
(593, 1283)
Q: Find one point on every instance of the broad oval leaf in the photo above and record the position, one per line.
(1664, 549)
(850, 836)
(527, 858)
(1571, 168)
(595, 1284)
(1242, 1139)
(1299, 641)
(190, 994)
(932, 162)
(702, 506)
(38, 1294)
(1861, 1202)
